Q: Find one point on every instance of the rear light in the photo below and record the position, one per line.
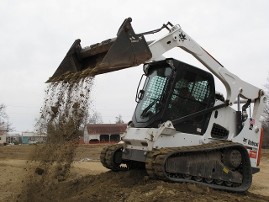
(260, 147)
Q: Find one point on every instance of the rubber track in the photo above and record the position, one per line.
(107, 157)
(155, 163)
(103, 156)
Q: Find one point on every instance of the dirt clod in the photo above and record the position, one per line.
(39, 171)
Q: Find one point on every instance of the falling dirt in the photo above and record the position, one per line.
(62, 119)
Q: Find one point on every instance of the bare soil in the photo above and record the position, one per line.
(88, 180)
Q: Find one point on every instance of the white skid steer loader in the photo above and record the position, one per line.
(181, 130)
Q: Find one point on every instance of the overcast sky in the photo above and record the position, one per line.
(35, 36)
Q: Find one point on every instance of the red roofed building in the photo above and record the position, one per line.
(101, 133)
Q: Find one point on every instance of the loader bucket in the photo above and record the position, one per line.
(126, 50)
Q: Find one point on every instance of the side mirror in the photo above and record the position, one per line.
(140, 93)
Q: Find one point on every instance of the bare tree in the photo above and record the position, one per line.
(3, 114)
(95, 118)
(5, 125)
(266, 116)
(3, 119)
(266, 109)
(119, 119)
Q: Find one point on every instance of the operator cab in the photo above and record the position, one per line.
(172, 90)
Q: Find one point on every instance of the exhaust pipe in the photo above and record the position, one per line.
(126, 50)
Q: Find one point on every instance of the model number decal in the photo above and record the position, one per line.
(250, 142)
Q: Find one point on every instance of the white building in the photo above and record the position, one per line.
(32, 138)
(13, 138)
(101, 133)
(3, 136)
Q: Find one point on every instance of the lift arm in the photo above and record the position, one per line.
(178, 38)
(235, 87)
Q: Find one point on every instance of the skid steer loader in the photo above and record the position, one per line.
(181, 130)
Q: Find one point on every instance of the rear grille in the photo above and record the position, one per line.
(219, 132)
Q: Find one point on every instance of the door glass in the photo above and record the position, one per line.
(190, 95)
(154, 89)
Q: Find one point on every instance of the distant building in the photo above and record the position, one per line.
(3, 138)
(32, 138)
(13, 138)
(3, 135)
(101, 133)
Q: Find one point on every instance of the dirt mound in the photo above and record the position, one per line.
(131, 186)
(90, 181)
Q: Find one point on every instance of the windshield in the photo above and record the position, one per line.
(153, 92)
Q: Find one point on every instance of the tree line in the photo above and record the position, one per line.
(4, 126)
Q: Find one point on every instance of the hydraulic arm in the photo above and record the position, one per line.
(235, 87)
